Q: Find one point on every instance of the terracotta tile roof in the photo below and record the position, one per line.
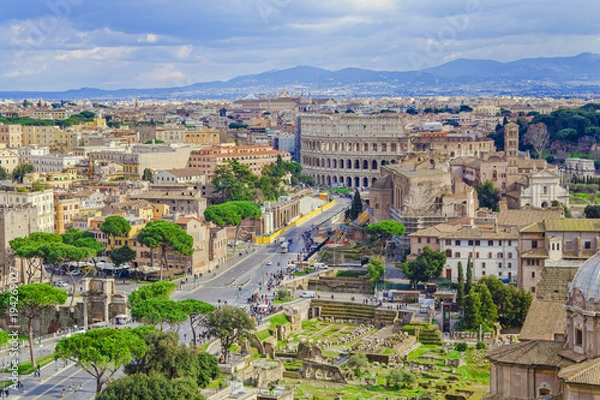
(586, 373)
(536, 253)
(476, 233)
(183, 172)
(544, 320)
(534, 352)
(573, 225)
(526, 216)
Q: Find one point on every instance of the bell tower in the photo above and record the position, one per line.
(511, 143)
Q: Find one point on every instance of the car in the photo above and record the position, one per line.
(269, 263)
(308, 295)
(61, 284)
(75, 273)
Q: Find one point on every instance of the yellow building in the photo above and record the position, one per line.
(11, 135)
(56, 180)
(58, 140)
(96, 123)
(66, 208)
(204, 137)
(9, 160)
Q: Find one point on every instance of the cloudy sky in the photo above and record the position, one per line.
(109, 44)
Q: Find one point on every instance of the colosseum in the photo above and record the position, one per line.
(349, 149)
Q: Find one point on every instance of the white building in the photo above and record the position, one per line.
(180, 175)
(492, 252)
(539, 190)
(43, 201)
(579, 168)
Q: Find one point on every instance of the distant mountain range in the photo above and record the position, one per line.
(556, 77)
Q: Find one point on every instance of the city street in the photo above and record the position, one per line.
(247, 271)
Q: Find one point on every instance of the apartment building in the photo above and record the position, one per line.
(206, 137)
(15, 221)
(180, 175)
(180, 199)
(255, 157)
(555, 244)
(43, 201)
(11, 135)
(9, 159)
(66, 208)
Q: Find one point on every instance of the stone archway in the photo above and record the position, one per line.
(349, 182)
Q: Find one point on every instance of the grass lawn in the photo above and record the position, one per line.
(278, 319)
(262, 335)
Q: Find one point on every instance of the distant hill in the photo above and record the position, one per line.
(558, 76)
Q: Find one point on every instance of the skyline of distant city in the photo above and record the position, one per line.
(66, 44)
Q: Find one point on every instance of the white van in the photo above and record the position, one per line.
(319, 265)
(308, 295)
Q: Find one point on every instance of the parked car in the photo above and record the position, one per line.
(75, 272)
(61, 284)
(308, 295)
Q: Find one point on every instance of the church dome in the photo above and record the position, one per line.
(587, 278)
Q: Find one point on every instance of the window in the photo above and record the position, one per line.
(482, 265)
(419, 251)
(534, 244)
(470, 243)
(482, 273)
(510, 255)
(533, 289)
(499, 265)
(477, 255)
(509, 265)
(490, 255)
(500, 255)
(490, 242)
(448, 242)
(418, 240)
(500, 274)
(587, 245)
(457, 255)
(578, 337)
(428, 240)
(533, 274)
(457, 242)
(477, 243)
(448, 253)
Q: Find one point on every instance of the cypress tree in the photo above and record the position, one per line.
(488, 310)
(460, 292)
(472, 315)
(469, 283)
(356, 208)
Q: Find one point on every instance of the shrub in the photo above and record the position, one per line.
(461, 346)
(480, 346)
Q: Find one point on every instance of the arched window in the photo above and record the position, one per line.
(449, 253)
(356, 164)
(365, 164)
(374, 164)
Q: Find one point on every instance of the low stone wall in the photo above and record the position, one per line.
(337, 284)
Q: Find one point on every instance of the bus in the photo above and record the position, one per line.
(283, 248)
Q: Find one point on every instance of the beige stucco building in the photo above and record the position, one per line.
(569, 365)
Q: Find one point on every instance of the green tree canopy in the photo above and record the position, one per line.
(29, 301)
(356, 207)
(488, 195)
(154, 386)
(159, 311)
(591, 211)
(102, 352)
(147, 175)
(114, 226)
(232, 213)
(376, 269)
(472, 315)
(156, 290)
(29, 249)
(122, 255)
(230, 324)
(386, 230)
(166, 356)
(430, 263)
(166, 236)
(20, 172)
(196, 310)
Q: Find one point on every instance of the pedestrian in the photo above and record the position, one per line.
(39, 372)
(185, 337)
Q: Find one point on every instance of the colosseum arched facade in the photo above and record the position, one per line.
(348, 148)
